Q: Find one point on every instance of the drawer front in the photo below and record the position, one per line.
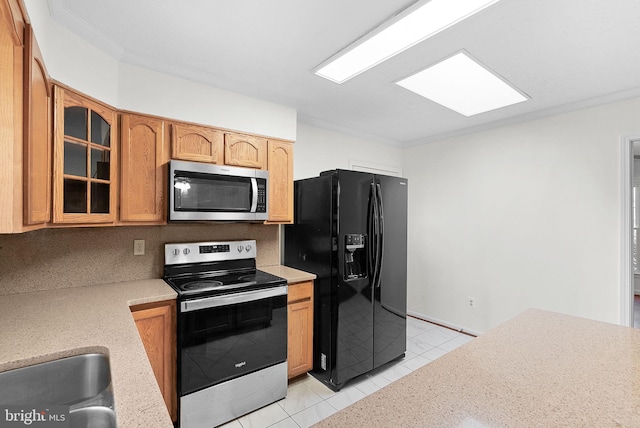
(300, 291)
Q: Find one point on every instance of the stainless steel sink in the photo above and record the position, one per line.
(94, 417)
(82, 382)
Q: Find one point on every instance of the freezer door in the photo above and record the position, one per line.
(309, 247)
(390, 290)
(353, 307)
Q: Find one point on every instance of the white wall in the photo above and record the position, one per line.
(82, 66)
(71, 60)
(320, 149)
(521, 216)
(155, 93)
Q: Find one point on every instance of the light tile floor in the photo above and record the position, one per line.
(309, 401)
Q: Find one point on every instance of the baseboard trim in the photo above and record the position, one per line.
(442, 323)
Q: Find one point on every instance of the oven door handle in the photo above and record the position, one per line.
(231, 299)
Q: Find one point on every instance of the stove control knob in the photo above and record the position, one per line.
(186, 251)
(240, 248)
(247, 248)
(176, 252)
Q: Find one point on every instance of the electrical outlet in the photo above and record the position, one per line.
(472, 302)
(138, 247)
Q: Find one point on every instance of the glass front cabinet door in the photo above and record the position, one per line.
(85, 175)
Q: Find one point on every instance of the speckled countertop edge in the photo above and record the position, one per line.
(47, 325)
(290, 274)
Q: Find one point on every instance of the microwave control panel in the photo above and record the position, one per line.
(261, 207)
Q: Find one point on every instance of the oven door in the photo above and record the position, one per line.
(212, 192)
(224, 337)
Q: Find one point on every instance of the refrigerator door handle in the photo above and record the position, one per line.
(375, 236)
(371, 219)
(380, 234)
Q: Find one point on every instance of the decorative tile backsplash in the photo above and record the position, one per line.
(73, 257)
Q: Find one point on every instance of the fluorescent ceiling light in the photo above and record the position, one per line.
(463, 85)
(405, 30)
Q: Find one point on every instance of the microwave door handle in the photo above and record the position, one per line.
(254, 192)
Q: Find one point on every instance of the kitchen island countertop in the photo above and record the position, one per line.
(540, 369)
(47, 325)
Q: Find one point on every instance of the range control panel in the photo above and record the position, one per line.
(198, 252)
(214, 248)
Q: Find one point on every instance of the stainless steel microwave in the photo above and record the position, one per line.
(200, 191)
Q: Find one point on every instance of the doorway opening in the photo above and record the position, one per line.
(630, 228)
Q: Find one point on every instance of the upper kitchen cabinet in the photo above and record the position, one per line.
(12, 48)
(144, 155)
(197, 143)
(37, 135)
(280, 162)
(245, 150)
(85, 160)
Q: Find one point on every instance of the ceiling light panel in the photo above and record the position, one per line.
(407, 29)
(463, 85)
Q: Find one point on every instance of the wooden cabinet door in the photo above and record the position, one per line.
(37, 135)
(245, 150)
(280, 163)
(143, 165)
(85, 174)
(196, 143)
(300, 333)
(156, 325)
(12, 26)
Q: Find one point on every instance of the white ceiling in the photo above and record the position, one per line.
(564, 54)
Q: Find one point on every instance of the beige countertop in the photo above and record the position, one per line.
(47, 325)
(290, 274)
(540, 369)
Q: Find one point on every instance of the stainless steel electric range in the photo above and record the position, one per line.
(232, 331)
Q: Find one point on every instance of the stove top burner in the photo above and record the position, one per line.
(208, 283)
(200, 285)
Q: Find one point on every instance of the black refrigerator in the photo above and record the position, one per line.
(350, 229)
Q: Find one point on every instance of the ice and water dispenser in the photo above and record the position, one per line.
(355, 257)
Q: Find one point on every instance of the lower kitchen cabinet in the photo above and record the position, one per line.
(156, 323)
(300, 320)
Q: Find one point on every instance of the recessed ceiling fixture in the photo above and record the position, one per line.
(463, 85)
(406, 29)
